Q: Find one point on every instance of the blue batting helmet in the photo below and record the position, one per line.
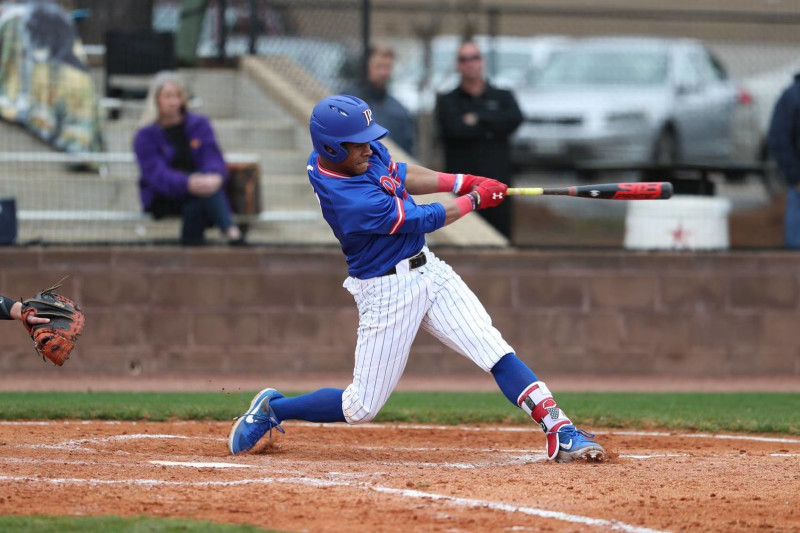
(339, 119)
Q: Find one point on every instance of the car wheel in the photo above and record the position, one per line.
(665, 151)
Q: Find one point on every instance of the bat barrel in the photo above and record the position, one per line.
(656, 190)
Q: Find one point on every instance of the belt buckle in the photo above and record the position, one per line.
(417, 261)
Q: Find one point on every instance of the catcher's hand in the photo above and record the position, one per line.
(55, 339)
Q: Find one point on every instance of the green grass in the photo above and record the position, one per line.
(115, 524)
(745, 412)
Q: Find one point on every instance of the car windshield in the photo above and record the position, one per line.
(604, 67)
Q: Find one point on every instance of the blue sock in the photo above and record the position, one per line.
(324, 405)
(512, 376)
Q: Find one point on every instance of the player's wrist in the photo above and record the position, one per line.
(449, 182)
(15, 312)
(466, 204)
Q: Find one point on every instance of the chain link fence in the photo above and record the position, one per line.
(304, 49)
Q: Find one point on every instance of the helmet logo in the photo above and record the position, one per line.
(368, 115)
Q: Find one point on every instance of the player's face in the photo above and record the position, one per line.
(357, 161)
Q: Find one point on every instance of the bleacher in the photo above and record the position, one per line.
(94, 197)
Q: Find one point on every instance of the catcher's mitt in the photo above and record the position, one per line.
(56, 339)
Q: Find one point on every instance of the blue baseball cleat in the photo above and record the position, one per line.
(576, 445)
(251, 426)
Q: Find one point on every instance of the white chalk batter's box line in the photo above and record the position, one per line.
(519, 456)
(454, 501)
(755, 438)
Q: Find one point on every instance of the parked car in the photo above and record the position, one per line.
(510, 61)
(628, 100)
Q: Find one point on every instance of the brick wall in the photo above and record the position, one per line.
(152, 310)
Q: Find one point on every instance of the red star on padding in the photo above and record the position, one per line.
(679, 236)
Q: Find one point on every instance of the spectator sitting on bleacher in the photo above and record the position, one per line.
(182, 168)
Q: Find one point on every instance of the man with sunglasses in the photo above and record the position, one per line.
(475, 121)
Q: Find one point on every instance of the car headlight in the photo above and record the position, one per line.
(626, 117)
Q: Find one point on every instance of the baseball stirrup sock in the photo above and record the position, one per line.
(323, 405)
(512, 376)
(537, 401)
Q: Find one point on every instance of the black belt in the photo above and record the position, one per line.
(413, 262)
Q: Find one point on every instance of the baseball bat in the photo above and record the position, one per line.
(654, 190)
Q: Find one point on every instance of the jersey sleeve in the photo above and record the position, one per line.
(396, 170)
(384, 214)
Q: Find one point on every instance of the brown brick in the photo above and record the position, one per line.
(19, 258)
(494, 292)
(695, 361)
(664, 332)
(779, 291)
(584, 261)
(623, 360)
(552, 292)
(79, 259)
(165, 328)
(110, 360)
(658, 261)
(24, 284)
(188, 289)
(322, 290)
(764, 360)
(725, 262)
(603, 331)
(226, 329)
(262, 289)
(23, 359)
(687, 293)
(781, 329)
(168, 257)
(778, 262)
(223, 258)
(194, 359)
(117, 288)
(633, 291)
(533, 328)
(567, 330)
(100, 329)
(721, 330)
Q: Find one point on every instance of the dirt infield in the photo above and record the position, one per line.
(400, 477)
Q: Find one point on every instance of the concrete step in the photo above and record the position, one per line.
(313, 231)
(123, 164)
(233, 135)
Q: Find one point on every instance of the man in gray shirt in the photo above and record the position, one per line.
(386, 109)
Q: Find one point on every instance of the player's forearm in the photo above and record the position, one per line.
(421, 180)
(9, 309)
(455, 208)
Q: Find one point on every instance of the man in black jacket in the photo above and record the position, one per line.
(784, 147)
(475, 121)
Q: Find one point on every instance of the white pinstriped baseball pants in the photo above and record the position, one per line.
(391, 310)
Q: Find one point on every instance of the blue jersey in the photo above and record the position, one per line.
(372, 215)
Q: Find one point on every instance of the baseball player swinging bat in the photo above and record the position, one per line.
(656, 190)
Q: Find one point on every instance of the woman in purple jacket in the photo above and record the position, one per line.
(182, 168)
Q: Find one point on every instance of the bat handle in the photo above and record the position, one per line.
(526, 191)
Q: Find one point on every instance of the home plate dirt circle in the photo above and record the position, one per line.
(389, 477)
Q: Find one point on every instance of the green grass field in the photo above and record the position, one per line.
(115, 524)
(743, 412)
